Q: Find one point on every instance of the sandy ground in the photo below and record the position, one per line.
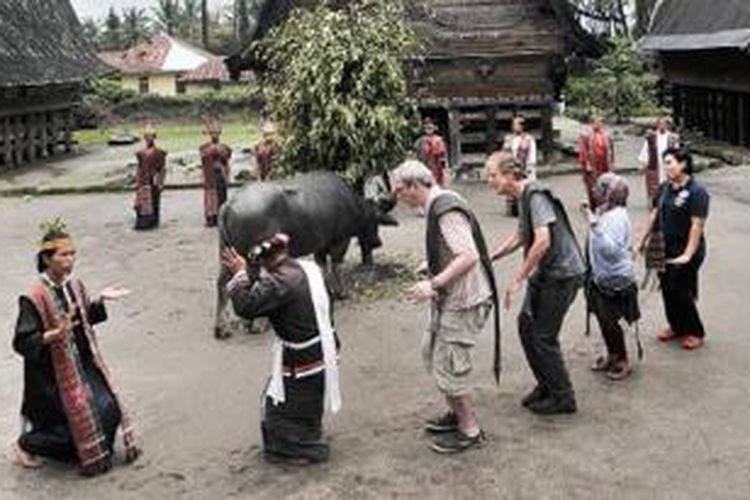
(677, 429)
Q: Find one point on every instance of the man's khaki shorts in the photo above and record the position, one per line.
(449, 358)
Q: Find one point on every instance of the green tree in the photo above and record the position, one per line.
(337, 86)
(111, 38)
(91, 32)
(135, 26)
(189, 20)
(619, 85)
(168, 16)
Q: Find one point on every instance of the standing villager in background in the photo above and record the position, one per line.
(149, 181)
(215, 158)
(596, 155)
(71, 409)
(553, 270)
(266, 151)
(291, 293)
(432, 151)
(612, 293)
(461, 287)
(680, 208)
(522, 146)
(658, 141)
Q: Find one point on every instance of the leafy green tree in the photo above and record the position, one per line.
(619, 86)
(135, 26)
(337, 86)
(111, 38)
(91, 32)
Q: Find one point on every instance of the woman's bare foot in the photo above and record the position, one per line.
(24, 459)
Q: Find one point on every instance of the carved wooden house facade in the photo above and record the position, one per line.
(704, 53)
(44, 62)
(486, 62)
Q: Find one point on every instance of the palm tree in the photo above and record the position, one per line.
(168, 14)
(135, 26)
(111, 38)
(189, 19)
(91, 32)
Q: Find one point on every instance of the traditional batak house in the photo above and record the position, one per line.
(703, 49)
(486, 61)
(44, 61)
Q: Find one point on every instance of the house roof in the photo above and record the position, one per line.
(680, 25)
(160, 54)
(41, 43)
(489, 28)
(214, 70)
(458, 27)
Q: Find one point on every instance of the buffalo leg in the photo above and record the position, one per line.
(220, 328)
(338, 252)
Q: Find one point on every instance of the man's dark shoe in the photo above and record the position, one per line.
(456, 442)
(553, 406)
(538, 393)
(447, 422)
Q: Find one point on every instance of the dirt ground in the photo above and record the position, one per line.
(678, 429)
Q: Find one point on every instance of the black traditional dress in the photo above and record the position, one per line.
(47, 431)
(291, 429)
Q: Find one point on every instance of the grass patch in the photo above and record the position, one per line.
(178, 136)
(385, 279)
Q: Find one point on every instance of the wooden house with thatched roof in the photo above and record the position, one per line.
(703, 49)
(44, 61)
(485, 62)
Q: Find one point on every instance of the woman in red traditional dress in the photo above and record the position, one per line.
(596, 155)
(215, 158)
(149, 181)
(70, 408)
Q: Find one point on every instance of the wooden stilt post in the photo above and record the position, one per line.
(31, 131)
(454, 132)
(44, 134)
(19, 139)
(741, 127)
(68, 137)
(7, 137)
(547, 132)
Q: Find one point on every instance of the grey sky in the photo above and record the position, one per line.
(99, 8)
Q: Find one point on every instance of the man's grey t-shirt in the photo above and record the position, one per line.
(563, 259)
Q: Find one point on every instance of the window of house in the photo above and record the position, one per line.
(143, 85)
(180, 87)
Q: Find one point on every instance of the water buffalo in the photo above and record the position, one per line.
(319, 212)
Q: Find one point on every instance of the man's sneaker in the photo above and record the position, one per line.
(553, 406)
(456, 442)
(447, 422)
(538, 393)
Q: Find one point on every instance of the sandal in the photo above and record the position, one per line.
(691, 343)
(667, 335)
(602, 364)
